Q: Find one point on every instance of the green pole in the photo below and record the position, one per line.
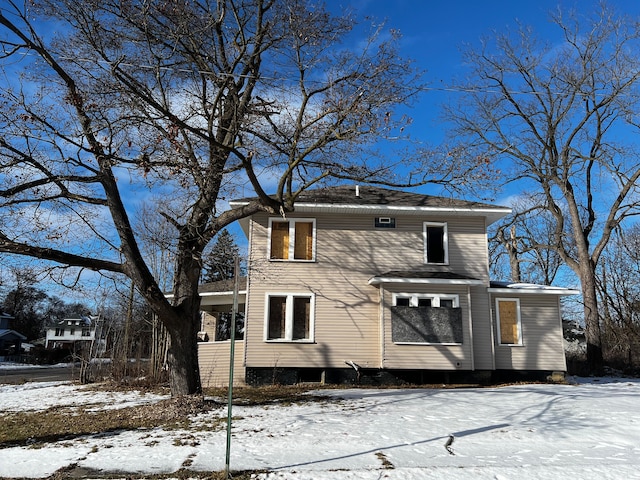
(232, 350)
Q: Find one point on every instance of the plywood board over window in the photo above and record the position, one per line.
(280, 240)
(508, 317)
(303, 241)
(292, 240)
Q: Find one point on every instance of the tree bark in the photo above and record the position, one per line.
(184, 373)
(595, 361)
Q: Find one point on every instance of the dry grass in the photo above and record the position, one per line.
(65, 423)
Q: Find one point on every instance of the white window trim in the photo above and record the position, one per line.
(518, 320)
(445, 241)
(288, 335)
(435, 298)
(292, 222)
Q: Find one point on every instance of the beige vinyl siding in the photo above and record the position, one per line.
(349, 251)
(542, 346)
(421, 356)
(213, 358)
(483, 339)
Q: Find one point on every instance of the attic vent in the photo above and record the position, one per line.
(385, 222)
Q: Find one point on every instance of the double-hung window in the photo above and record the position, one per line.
(436, 249)
(508, 319)
(292, 239)
(289, 317)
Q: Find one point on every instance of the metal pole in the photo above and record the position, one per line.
(232, 350)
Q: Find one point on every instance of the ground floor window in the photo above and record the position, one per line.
(289, 317)
(508, 320)
(426, 318)
(223, 326)
(426, 300)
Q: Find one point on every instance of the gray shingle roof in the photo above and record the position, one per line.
(370, 195)
(377, 196)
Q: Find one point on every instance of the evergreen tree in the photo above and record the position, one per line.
(219, 263)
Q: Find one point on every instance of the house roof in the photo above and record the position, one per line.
(377, 200)
(222, 286)
(424, 276)
(11, 335)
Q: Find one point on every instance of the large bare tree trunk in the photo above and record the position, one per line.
(593, 335)
(184, 373)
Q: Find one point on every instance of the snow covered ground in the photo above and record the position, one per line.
(587, 430)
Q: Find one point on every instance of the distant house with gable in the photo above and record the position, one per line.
(10, 340)
(73, 333)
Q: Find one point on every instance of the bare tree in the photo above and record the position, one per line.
(619, 295)
(197, 101)
(553, 113)
(524, 241)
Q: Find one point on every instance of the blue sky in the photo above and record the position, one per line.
(435, 31)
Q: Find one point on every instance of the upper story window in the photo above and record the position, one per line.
(59, 332)
(436, 249)
(292, 239)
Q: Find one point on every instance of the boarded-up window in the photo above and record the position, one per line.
(509, 321)
(277, 317)
(435, 243)
(290, 317)
(426, 325)
(304, 241)
(426, 318)
(292, 240)
(301, 317)
(280, 240)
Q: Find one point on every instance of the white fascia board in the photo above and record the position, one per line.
(212, 294)
(535, 290)
(438, 281)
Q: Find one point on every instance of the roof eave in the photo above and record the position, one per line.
(437, 281)
(492, 214)
(535, 291)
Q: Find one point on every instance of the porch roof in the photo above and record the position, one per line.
(424, 276)
(529, 288)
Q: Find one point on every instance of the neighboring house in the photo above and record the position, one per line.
(371, 283)
(10, 340)
(72, 333)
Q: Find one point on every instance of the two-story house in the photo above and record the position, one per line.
(73, 333)
(371, 283)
